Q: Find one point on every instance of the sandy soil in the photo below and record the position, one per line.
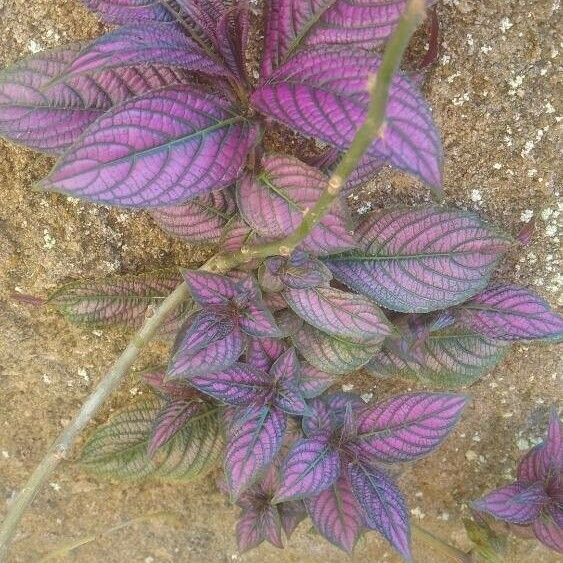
(494, 96)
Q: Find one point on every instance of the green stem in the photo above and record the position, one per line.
(372, 127)
(440, 545)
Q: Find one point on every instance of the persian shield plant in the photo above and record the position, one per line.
(166, 112)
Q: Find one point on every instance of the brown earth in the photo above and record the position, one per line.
(495, 96)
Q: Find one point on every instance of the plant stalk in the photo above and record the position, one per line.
(372, 127)
(440, 545)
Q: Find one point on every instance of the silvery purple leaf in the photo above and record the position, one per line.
(291, 514)
(170, 421)
(549, 533)
(257, 525)
(122, 300)
(546, 458)
(174, 390)
(290, 400)
(209, 289)
(311, 466)
(200, 220)
(406, 427)
(44, 112)
(263, 352)
(257, 320)
(329, 353)
(130, 11)
(299, 271)
(312, 382)
(339, 313)
(237, 234)
(292, 24)
(286, 368)
(449, 359)
(158, 149)
(158, 43)
(239, 384)
(509, 312)
(205, 344)
(231, 38)
(420, 259)
(319, 422)
(515, 503)
(252, 445)
(336, 514)
(274, 201)
(383, 506)
(323, 93)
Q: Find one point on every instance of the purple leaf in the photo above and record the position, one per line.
(515, 503)
(323, 93)
(336, 514)
(312, 381)
(408, 426)
(291, 514)
(273, 204)
(290, 400)
(347, 315)
(287, 320)
(549, 533)
(331, 354)
(319, 422)
(421, 259)
(210, 289)
(509, 312)
(252, 445)
(256, 525)
(311, 466)
(449, 359)
(236, 235)
(366, 170)
(546, 458)
(45, 112)
(169, 422)
(201, 220)
(263, 352)
(160, 148)
(128, 11)
(145, 44)
(300, 271)
(174, 390)
(292, 24)
(383, 506)
(257, 320)
(239, 384)
(205, 344)
(286, 368)
(232, 39)
(121, 300)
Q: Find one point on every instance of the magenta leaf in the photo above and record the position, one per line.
(273, 203)
(336, 514)
(257, 525)
(239, 384)
(257, 320)
(509, 312)
(347, 315)
(43, 111)
(292, 24)
(122, 300)
(420, 259)
(447, 359)
(331, 354)
(252, 445)
(408, 426)
(160, 148)
(549, 532)
(286, 368)
(200, 220)
(163, 43)
(291, 514)
(210, 289)
(383, 506)
(130, 11)
(231, 38)
(545, 459)
(323, 93)
(263, 352)
(170, 421)
(312, 382)
(207, 343)
(515, 503)
(174, 390)
(237, 234)
(311, 466)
